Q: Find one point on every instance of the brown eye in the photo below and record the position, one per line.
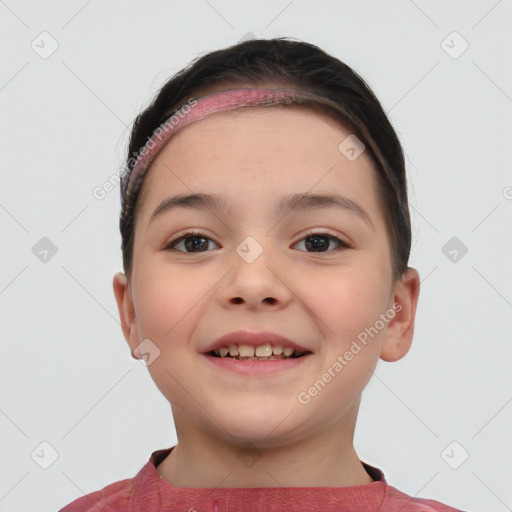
(191, 242)
(320, 242)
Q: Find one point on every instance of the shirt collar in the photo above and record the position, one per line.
(149, 487)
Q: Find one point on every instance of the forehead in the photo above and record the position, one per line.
(253, 153)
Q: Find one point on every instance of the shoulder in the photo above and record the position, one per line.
(125, 495)
(115, 496)
(395, 498)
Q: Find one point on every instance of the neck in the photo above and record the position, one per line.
(325, 459)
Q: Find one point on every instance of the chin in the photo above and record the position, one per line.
(262, 428)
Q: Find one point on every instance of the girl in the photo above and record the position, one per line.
(265, 238)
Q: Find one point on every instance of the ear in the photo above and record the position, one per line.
(126, 311)
(400, 329)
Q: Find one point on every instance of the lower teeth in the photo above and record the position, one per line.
(255, 358)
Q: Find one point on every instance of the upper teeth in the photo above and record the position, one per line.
(259, 351)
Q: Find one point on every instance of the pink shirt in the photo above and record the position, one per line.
(149, 492)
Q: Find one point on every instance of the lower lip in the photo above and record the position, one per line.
(269, 367)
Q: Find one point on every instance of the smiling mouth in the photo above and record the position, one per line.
(261, 358)
(249, 353)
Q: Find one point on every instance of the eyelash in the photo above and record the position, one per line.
(308, 234)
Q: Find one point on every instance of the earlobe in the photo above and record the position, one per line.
(400, 330)
(126, 310)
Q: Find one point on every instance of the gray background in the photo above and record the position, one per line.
(67, 377)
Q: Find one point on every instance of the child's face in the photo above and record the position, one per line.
(324, 299)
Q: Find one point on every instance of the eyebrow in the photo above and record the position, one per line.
(303, 201)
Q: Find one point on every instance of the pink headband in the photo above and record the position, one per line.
(199, 108)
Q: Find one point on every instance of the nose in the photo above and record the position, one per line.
(257, 279)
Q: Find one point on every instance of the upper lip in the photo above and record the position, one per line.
(254, 339)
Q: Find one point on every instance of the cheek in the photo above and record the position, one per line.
(351, 300)
(165, 300)
(347, 312)
(168, 308)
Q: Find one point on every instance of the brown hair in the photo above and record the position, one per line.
(293, 64)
